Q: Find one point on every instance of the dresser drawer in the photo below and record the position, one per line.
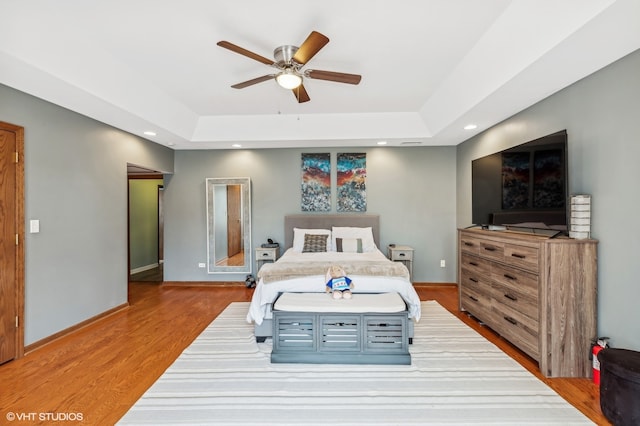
(266, 253)
(524, 302)
(516, 327)
(469, 244)
(401, 254)
(476, 302)
(520, 281)
(475, 265)
(492, 250)
(471, 279)
(521, 256)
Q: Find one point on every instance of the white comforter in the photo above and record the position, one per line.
(265, 294)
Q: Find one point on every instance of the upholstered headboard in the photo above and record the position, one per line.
(326, 221)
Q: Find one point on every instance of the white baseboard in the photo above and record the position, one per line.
(144, 268)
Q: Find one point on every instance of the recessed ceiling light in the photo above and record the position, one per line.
(382, 143)
(236, 145)
(470, 126)
(150, 133)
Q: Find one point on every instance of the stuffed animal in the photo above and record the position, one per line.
(338, 284)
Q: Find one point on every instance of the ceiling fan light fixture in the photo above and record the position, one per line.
(289, 61)
(289, 79)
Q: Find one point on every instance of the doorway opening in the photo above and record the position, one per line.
(145, 224)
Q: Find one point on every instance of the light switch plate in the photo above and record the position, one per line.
(34, 226)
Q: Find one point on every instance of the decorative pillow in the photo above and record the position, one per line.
(366, 234)
(299, 233)
(314, 243)
(349, 245)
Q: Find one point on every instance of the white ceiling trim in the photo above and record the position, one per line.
(281, 130)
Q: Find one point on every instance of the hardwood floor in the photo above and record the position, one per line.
(235, 260)
(97, 373)
(150, 275)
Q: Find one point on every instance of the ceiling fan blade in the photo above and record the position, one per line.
(339, 77)
(245, 52)
(310, 47)
(253, 81)
(301, 94)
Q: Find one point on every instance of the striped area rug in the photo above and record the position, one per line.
(457, 377)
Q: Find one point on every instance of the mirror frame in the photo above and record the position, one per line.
(210, 184)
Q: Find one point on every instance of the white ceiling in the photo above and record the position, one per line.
(429, 67)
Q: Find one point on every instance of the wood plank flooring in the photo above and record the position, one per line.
(98, 372)
(150, 275)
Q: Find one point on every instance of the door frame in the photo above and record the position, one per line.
(20, 227)
(160, 192)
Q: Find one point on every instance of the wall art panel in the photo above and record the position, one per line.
(316, 182)
(351, 177)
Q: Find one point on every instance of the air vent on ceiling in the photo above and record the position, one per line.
(411, 143)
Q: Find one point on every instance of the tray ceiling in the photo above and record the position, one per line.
(429, 67)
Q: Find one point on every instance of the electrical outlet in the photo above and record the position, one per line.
(442, 263)
(202, 265)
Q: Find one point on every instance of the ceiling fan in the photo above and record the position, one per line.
(289, 61)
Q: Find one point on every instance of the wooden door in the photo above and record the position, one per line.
(8, 245)
(234, 220)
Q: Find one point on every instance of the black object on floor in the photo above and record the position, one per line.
(620, 386)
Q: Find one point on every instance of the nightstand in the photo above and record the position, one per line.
(402, 254)
(265, 254)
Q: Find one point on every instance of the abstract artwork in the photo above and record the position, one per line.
(316, 182)
(351, 176)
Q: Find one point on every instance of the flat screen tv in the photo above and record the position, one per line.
(523, 187)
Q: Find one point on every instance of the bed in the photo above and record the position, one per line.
(351, 241)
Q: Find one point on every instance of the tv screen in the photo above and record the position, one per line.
(524, 186)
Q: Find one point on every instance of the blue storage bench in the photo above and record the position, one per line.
(314, 328)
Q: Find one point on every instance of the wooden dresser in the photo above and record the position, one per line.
(539, 293)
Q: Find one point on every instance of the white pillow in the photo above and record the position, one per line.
(298, 237)
(366, 234)
(349, 245)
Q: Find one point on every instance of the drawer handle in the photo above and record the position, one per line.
(511, 297)
(265, 254)
(473, 280)
(473, 298)
(401, 255)
(468, 244)
(473, 264)
(510, 277)
(518, 256)
(511, 320)
(489, 248)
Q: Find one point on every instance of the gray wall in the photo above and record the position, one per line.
(412, 189)
(76, 185)
(601, 115)
(143, 223)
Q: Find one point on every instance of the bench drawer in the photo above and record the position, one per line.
(339, 333)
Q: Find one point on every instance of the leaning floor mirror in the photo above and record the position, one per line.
(228, 225)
